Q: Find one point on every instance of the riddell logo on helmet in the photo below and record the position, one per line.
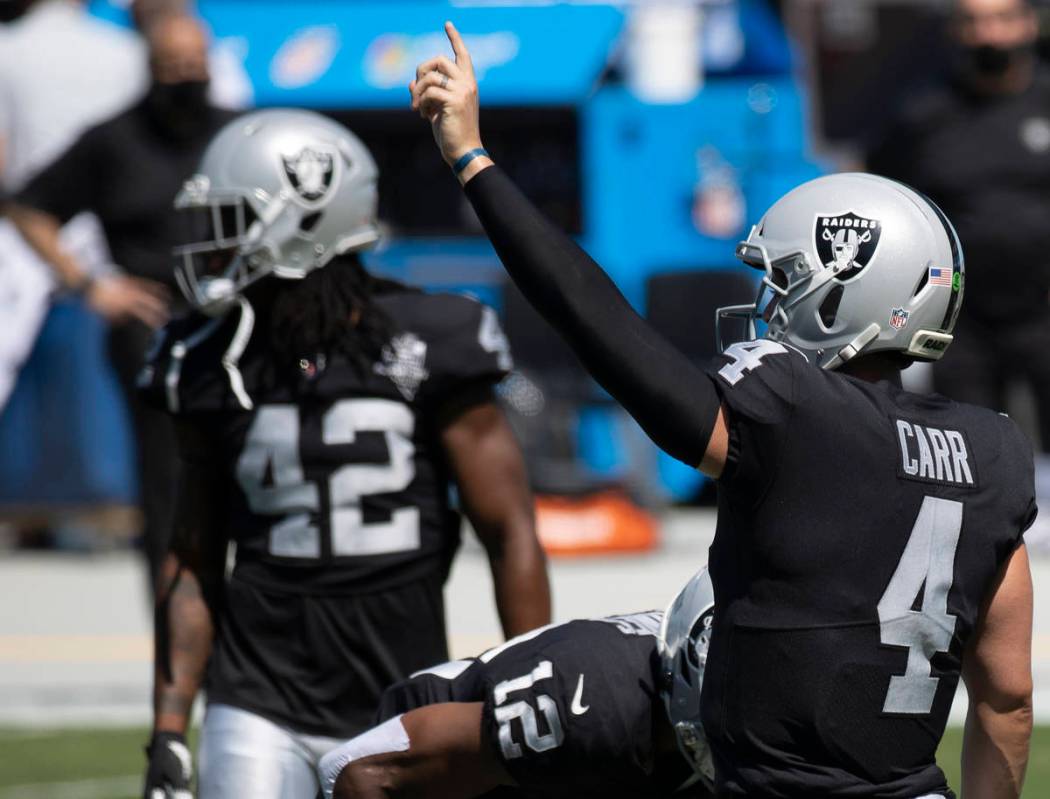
(846, 242)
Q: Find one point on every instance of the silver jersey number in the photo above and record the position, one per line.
(271, 449)
(747, 355)
(506, 711)
(928, 564)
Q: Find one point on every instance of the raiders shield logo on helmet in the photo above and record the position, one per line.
(310, 172)
(846, 242)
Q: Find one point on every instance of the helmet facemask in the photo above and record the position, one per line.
(224, 253)
(278, 192)
(785, 281)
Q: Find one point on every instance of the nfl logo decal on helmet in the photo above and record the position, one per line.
(898, 318)
(846, 242)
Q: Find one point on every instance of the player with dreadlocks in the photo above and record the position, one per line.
(322, 414)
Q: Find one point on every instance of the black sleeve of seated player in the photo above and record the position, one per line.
(673, 400)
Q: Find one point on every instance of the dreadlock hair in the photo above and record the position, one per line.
(330, 312)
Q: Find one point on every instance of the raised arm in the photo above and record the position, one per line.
(997, 670)
(187, 606)
(494, 490)
(673, 400)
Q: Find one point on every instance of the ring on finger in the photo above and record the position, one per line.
(444, 81)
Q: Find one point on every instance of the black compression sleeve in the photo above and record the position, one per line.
(673, 400)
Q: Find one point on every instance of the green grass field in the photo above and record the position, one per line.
(107, 764)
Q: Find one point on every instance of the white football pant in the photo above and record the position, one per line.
(242, 754)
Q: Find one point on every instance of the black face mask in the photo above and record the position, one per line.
(990, 61)
(180, 109)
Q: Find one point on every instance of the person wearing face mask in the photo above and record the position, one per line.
(126, 170)
(978, 144)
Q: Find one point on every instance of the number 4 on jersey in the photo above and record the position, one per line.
(747, 356)
(927, 565)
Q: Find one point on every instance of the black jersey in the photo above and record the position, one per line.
(860, 528)
(339, 502)
(570, 709)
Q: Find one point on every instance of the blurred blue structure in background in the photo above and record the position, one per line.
(648, 189)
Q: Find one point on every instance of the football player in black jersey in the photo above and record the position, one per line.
(869, 547)
(570, 710)
(323, 416)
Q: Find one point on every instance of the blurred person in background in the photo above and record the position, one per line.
(126, 170)
(61, 70)
(978, 144)
(322, 416)
(229, 85)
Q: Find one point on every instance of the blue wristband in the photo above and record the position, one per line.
(466, 158)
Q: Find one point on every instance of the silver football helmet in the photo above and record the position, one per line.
(854, 263)
(278, 192)
(685, 636)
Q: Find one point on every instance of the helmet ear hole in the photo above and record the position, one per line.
(923, 280)
(829, 307)
(309, 222)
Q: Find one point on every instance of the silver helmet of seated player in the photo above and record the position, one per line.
(685, 635)
(854, 263)
(278, 192)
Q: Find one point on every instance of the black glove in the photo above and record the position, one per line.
(170, 767)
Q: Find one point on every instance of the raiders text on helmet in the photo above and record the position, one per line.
(278, 192)
(854, 263)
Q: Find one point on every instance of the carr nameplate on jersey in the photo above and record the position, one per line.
(934, 455)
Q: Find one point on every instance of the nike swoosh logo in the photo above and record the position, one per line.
(577, 707)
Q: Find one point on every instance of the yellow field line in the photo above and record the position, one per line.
(75, 648)
(139, 648)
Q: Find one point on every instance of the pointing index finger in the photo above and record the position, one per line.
(459, 48)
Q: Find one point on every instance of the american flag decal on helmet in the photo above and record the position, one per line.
(939, 276)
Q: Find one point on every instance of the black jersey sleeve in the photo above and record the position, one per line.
(1020, 487)
(758, 382)
(466, 346)
(570, 713)
(454, 681)
(664, 391)
(183, 372)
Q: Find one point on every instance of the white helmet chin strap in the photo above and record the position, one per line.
(231, 358)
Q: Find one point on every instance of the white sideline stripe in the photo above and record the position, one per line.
(105, 788)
